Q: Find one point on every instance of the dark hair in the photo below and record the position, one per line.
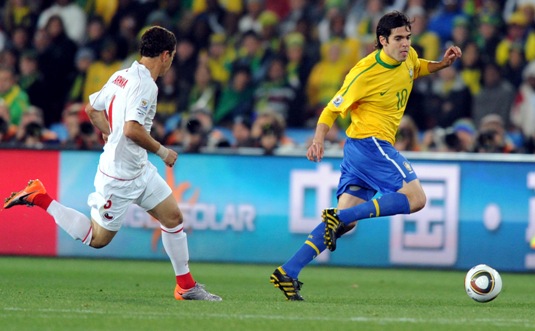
(388, 22)
(240, 68)
(250, 33)
(486, 142)
(96, 19)
(272, 129)
(156, 40)
(58, 18)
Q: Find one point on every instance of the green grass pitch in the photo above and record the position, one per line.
(89, 294)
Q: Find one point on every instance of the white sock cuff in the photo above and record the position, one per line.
(176, 229)
(76, 224)
(53, 207)
(88, 237)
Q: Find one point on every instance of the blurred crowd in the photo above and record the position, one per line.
(249, 73)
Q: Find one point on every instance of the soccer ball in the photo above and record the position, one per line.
(483, 283)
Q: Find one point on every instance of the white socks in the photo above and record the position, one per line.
(76, 224)
(79, 227)
(175, 243)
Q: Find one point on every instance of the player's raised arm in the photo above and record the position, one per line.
(451, 54)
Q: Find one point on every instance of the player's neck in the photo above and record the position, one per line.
(153, 64)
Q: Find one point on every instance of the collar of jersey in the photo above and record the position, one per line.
(141, 67)
(383, 60)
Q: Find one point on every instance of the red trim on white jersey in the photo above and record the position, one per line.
(110, 113)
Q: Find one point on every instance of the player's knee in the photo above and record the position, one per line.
(100, 237)
(177, 218)
(172, 220)
(100, 240)
(98, 244)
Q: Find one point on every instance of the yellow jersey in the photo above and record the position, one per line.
(375, 94)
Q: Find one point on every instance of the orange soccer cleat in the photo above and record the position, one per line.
(26, 196)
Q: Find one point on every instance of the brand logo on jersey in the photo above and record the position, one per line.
(383, 93)
(120, 81)
(338, 101)
(108, 216)
(411, 73)
(407, 166)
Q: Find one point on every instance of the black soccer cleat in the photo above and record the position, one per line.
(289, 286)
(334, 228)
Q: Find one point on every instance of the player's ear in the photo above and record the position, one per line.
(170, 54)
(383, 40)
(164, 55)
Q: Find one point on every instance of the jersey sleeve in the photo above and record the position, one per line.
(421, 66)
(98, 99)
(139, 102)
(346, 97)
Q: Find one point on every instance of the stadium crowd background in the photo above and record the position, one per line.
(257, 73)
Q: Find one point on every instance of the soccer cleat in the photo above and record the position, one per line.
(334, 228)
(197, 292)
(289, 286)
(26, 196)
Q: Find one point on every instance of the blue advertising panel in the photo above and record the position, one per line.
(260, 209)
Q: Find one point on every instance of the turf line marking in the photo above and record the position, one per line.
(75, 313)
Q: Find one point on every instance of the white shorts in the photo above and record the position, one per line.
(112, 197)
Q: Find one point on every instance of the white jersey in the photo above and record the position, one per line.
(129, 95)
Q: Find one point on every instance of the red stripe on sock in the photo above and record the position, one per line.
(185, 281)
(88, 233)
(42, 200)
(164, 230)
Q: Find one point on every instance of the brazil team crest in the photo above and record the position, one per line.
(407, 166)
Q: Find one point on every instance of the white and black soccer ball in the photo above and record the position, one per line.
(483, 283)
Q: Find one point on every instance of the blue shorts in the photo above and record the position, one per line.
(372, 166)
